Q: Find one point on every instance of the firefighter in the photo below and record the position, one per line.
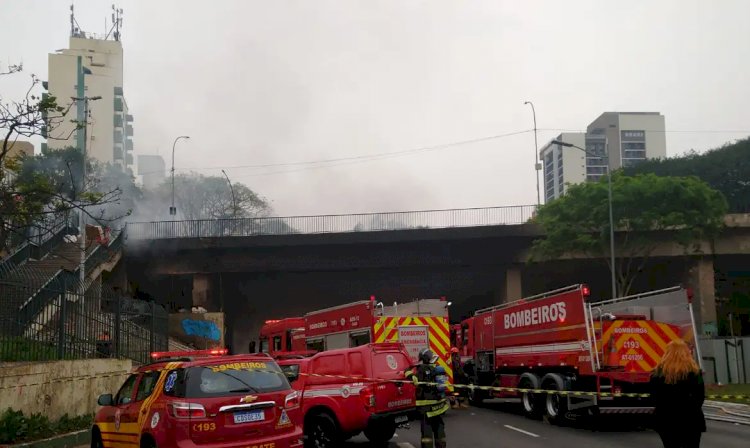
(431, 402)
(458, 399)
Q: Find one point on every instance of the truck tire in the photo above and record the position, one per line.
(381, 433)
(533, 403)
(321, 431)
(556, 405)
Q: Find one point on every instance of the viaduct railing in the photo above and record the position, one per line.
(365, 222)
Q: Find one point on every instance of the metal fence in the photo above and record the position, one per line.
(367, 222)
(57, 320)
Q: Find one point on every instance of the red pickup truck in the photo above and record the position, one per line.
(348, 391)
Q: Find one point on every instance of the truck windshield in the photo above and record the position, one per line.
(235, 378)
(264, 345)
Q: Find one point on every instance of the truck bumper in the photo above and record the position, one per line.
(400, 417)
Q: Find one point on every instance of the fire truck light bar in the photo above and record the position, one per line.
(272, 321)
(177, 354)
(585, 290)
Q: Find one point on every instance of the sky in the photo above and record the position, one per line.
(281, 82)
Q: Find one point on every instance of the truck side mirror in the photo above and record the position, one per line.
(105, 400)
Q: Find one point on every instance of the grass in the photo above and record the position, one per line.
(15, 427)
(21, 349)
(729, 389)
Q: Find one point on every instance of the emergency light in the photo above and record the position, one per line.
(177, 354)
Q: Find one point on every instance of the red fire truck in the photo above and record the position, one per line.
(419, 324)
(283, 336)
(564, 341)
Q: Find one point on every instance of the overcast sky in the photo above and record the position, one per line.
(267, 82)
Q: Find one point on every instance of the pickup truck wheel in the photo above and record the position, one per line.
(380, 434)
(322, 432)
(532, 403)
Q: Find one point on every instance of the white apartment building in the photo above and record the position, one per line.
(622, 138)
(110, 126)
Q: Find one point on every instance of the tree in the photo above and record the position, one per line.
(726, 169)
(35, 189)
(648, 210)
(209, 197)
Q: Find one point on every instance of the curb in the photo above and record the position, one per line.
(69, 440)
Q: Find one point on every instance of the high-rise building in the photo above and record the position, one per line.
(110, 125)
(153, 170)
(622, 138)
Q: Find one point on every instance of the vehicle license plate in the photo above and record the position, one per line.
(402, 419)
(250, 416)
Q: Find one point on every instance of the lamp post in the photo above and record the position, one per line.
(81, 219)
(231, 188)
(173, 209)
(611, 218)
(536, 156)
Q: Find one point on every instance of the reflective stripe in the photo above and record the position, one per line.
(434, 412)
(337, 392)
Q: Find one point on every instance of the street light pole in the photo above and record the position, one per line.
(231, 188)
(173, 209)
(536, 156)
(611, 215)
(81, 219)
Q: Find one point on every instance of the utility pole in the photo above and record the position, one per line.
(82, 115)
(609, 200)
(537, 165)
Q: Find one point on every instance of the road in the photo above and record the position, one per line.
(499, 425)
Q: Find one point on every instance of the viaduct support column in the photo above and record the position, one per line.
(512, 289)
(701, 280)
(202, 290)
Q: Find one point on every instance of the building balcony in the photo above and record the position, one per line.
(117, 136)
(118, 91)
(128, 159)
(118, 105)
(129, 118)
(129, 131)
(117, 152)
(118, 121)
(128, 145)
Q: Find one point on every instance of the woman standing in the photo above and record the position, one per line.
(678, 392)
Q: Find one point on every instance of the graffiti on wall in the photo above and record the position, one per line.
(201, 328)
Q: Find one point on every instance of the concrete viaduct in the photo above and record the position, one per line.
(265, 268)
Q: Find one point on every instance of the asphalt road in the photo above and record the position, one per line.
(500, 425)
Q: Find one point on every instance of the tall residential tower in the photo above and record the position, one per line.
(625, 138)
(110, 125)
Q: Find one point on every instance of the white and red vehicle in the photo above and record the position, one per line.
(419, 324)
(348, 391)
(563, 341)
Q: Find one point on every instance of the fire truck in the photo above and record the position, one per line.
(563, 340)
(420, 324)
(283, 336)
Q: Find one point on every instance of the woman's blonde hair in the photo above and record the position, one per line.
(677, 362)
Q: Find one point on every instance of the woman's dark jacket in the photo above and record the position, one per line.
(678, 406)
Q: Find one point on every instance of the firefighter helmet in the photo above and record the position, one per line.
(427, 356)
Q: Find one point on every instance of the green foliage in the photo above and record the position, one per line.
(726, 169)
(15, 427)
(22, 349)
(648, 210)
(206, 197)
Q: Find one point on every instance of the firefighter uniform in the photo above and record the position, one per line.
(431, 402)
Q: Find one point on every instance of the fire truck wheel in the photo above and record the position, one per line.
(556, 406)
(533, 404)
(381, 433)
(321, 431)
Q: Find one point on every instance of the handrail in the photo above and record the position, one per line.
(543, 295)
(640, 295)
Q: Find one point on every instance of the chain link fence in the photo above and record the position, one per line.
(48, 316)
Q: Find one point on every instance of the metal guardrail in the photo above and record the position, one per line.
(37, 246)
(301, 225)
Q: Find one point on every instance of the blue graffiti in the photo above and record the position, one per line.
(201, 328)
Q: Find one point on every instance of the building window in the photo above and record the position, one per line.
(633, 147)
(596, 170)
(549, 176)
